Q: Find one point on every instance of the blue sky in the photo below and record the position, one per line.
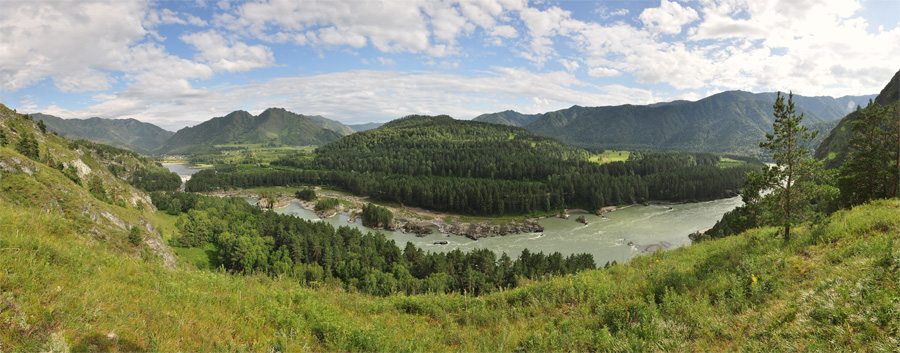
(178, 63)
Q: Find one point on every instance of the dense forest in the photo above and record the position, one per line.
(476, 168)
(250, 240)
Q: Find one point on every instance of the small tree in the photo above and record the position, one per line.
(28, 146)
(134, 235)
(792, 165)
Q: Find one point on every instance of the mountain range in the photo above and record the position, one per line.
(126, 133)
(508, 117)
(274, 125)
(728, 122)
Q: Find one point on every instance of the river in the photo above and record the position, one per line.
(184, 170)
(607, 237)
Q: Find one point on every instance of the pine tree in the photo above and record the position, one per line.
(792, 163)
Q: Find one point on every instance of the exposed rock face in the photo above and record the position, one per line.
(476, 230)
(83, 169)
(158, 246)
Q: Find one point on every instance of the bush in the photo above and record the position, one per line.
(306, 194)
(134, 236)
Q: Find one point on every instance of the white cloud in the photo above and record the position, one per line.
(668, 18)
(367, 95)
(386, 61)
(227, 55)
(570, 65)
(505, 31)
(603, 72)
(53, 42)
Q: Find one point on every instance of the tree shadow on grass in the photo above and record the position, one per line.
(102, 343)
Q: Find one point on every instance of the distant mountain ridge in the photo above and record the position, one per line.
(126, 133)
(508, 117)
(274, 125)
(365, 127)
(727, 122)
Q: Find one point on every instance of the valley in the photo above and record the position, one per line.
(532, 244)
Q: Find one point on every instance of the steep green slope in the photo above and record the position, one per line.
(126, 133)
(833, 148)
(508, 117)
(80, 182)
(273, 126)
(728, 122)
(834, 287)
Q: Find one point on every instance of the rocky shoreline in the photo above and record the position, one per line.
(417, 221)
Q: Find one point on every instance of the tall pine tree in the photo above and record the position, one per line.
(792, 163)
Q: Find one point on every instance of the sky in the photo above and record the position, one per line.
(179, 63)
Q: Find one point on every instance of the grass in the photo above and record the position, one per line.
(165, 224)
(834, 287)
(610, 156)
(726, 162)
(205, 257)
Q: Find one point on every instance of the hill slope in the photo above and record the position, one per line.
(832, 288)
(126, 133)
(274, 125)
(833, 148)
(728, 122)
(508, 117)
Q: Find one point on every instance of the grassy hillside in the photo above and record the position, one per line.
(274, 126)
(126, 133)
(832, 288)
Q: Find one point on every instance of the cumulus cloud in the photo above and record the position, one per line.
(668, 18)
(603, 72)
(34, 49)
(226, 55)
(570, 65)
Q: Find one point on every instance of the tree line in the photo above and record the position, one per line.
(250, 240)
(476, 168)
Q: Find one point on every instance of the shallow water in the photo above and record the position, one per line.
(184, 170)
(607, 238)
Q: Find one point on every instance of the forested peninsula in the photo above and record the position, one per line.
(468, 167)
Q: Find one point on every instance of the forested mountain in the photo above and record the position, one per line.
(274, 125)
(833, 148)
(332, 125)
(508, 117)
(126, 133)
(470, 167)
(728, 122)
(364, 127)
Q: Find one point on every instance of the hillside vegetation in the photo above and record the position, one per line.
(125, 133)
(439, 163)
(727, 122)
(274, 126)
(834, 147)
(508, 117)
(834, 287)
